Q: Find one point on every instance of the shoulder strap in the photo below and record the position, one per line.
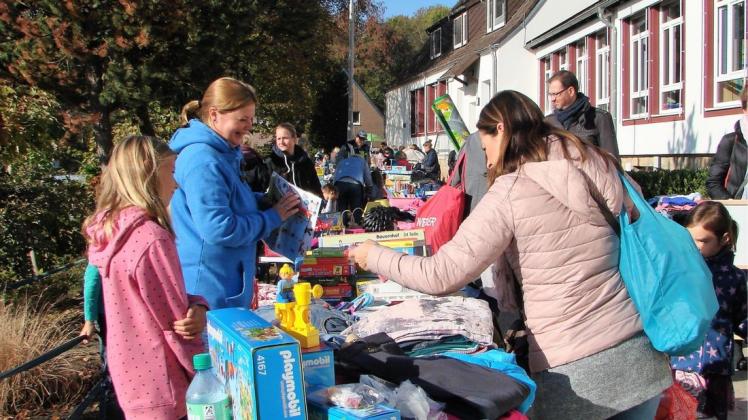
(459, 166)
(600, 201)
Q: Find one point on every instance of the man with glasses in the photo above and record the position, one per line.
(572, 111)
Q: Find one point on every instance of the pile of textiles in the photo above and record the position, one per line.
(675, 206)
(430, 320)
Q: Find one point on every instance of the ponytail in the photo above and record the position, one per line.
(189, 111)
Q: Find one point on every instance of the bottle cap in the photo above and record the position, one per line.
(202, 361)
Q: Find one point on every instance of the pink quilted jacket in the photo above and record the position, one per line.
(542, 227)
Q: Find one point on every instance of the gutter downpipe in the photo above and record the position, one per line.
(613, 63)
(495, 72)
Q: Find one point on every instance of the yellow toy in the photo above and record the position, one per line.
(292, 312)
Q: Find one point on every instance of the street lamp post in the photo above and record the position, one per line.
(351, 29)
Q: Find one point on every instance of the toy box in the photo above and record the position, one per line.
(353, 239)
(320, 410)
(319, 368)
(260, 364)
(387, 290)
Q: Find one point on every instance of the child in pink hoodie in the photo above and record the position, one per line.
(150, 342)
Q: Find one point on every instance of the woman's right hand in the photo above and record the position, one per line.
(287, 206)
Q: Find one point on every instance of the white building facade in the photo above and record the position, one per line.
(670, 72)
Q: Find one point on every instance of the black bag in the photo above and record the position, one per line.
(469, 391)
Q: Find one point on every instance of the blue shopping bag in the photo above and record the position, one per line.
(666, 277)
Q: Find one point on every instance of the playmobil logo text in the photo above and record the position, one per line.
(292, 400)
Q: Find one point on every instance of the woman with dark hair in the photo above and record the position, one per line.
(540, 224)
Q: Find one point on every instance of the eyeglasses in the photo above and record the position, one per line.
(555, 94)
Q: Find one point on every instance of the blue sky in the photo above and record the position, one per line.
(408, 7)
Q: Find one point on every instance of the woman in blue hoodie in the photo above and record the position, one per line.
(215, 215)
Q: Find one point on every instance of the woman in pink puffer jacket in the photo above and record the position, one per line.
(541, 227)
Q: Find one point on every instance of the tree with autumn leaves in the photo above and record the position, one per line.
(91, 63)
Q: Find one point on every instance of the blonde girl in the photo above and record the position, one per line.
(132, 245)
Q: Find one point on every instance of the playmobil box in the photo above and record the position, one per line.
(259, 363)
(319, 368)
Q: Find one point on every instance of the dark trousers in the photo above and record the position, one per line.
(350, 197)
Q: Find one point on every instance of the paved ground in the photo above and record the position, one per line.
(740, 381)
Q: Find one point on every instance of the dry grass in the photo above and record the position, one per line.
(27, 331)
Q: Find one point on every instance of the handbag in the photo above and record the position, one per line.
(441, 216)
(665, 276)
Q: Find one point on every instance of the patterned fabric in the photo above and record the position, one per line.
(691, 382)
(715, 356)
(430, 319)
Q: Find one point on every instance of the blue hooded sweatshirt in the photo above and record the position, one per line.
(215, 218)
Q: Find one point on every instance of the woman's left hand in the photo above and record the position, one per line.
(360, 253)
(193, 324)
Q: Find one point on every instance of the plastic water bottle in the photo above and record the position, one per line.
(206, 396)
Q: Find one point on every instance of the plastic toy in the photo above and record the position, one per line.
(292, 309)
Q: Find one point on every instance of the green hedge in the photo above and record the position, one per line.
(677, 182)
(41, 213)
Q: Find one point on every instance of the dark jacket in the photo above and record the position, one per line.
(431, 166)
(475, 182)
(715, 355)
(727, 171)
(251, 164)
(363, 151)
(593, 125)
(297, 169)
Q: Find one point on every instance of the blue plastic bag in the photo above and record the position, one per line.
(667, 279)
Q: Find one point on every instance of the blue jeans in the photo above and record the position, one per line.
(643, 411)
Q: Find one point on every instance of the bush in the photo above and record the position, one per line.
(41, 213)
(677, 182)
(28, 330)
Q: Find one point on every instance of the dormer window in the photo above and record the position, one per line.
(436, 43)
(459, 27)
(495, 14)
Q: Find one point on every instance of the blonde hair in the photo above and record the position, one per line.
(226, 94)
(289, 127)
(286, 270)
(130, 179)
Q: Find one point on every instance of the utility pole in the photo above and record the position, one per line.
(351, 31)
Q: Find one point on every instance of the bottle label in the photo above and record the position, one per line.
(217, 411)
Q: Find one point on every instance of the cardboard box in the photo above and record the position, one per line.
(260, 364)
(324, 411)
(319, 368)
(387, 290)
(352, 239)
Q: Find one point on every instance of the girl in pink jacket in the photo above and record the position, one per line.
(541, 226)
(150, 345)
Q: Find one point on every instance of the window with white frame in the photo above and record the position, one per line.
(495, 14)
(436, 43)
(730, 51)
(547, 74)
(459, 27)
(563, 59)
(582, 65)
(602, 68)
(639, 82)
(356, 118)
(671, 43)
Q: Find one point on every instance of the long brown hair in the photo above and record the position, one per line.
(226, 94)
(714, 217)
(130, 179)
(525, 133)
